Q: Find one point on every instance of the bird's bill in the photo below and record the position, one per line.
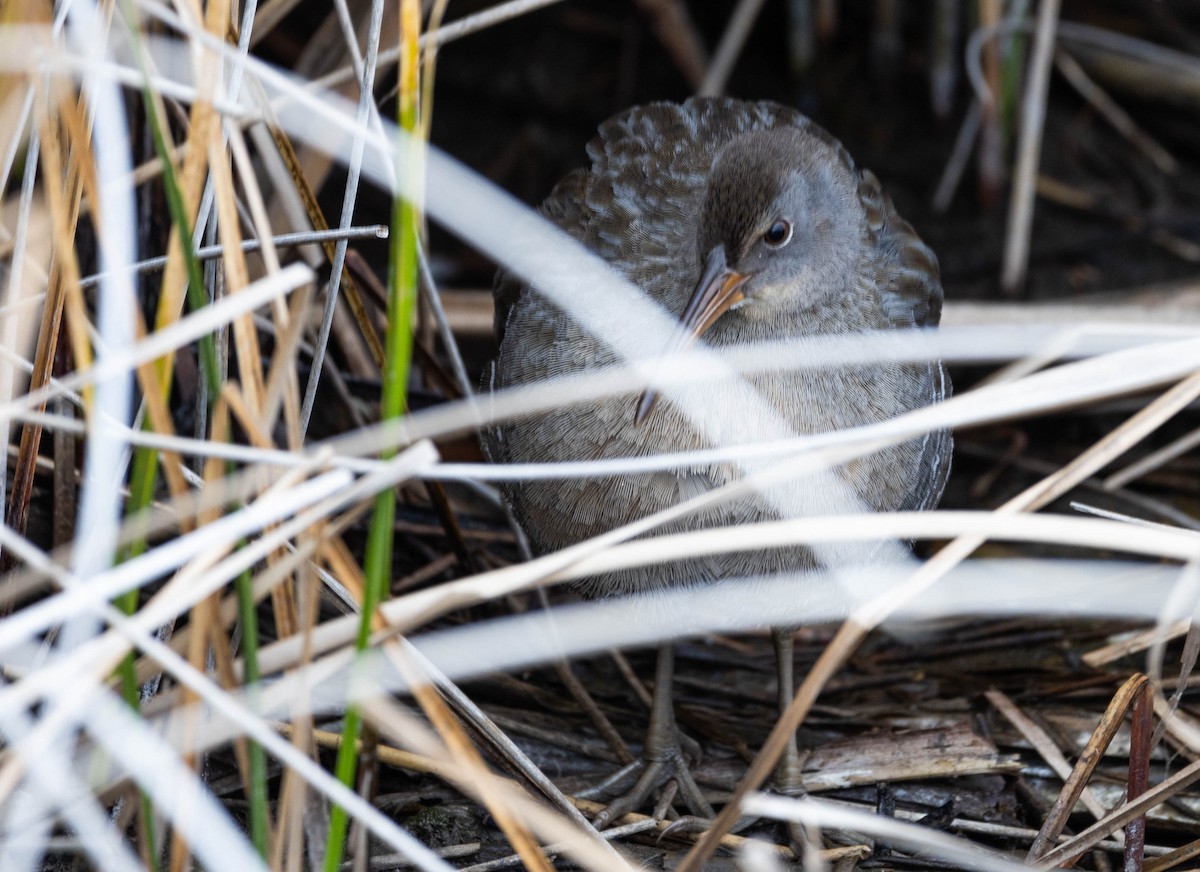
(718, 290)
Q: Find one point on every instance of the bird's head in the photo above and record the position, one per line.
(781, 223)
(781, 228)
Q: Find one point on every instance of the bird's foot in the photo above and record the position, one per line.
(786, 781)
(663, 762)
(668, 764)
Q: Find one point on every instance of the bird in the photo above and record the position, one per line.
(748, 222)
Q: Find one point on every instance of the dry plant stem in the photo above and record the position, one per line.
(191, 181)
(851, 634)
(955, 853)
(53, 178)
(588, 850)
(730, 47)
(353, 414)
(1182, 854)
(225, 495)
(801, 39)
(465, 755)
(202, 625)
(1141, 734)
(885, 39)
(346, 573)
(338, 35)
(1117, 117)
(388, 755)
(1091, 755)
(1131, 695)
(260, 732)
(1136, 65)
(414, 610)
(282, 382)
(429, 52)
(31, 433)
(281, 385)
(65, 270)
(1122, 815)
(316, 217)
(365, 108)
(1153, 461)
(1182, 731)
(64, 483)
(100, 655)
(480, 21)
(1049, 752)
(427, 572)
(1042, 358)
(728, 842)
(20, 260)
(1063, 194)
(1138, 642)
(1191, 654)
(639, 689)
(554, 850)
(429, 286)
(475, 716)
(368, 788)
(249, 356)
(239, 45)
(673, 25)
(402, 281)
(449, 521)
(154, 398)
(1146, 505)
(290, 845)
(283, 594)
(497, 14)
(16, 129)
(580, 694)
(389, 862)
(990, 830)
(281, 240)
(293, 794)
(103, 653)
(956, 164)
(944, 56)
(1033, 118)
(268, 16)
(991, 139)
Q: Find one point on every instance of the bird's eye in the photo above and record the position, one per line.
(778, 234)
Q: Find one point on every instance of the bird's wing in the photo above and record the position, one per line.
(908, 277)
(910, 287)
(936, 450)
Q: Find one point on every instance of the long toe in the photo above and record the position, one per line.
(657, 774)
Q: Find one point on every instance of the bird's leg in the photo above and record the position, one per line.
(787, 775)
(663, 757)
(788, 778)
